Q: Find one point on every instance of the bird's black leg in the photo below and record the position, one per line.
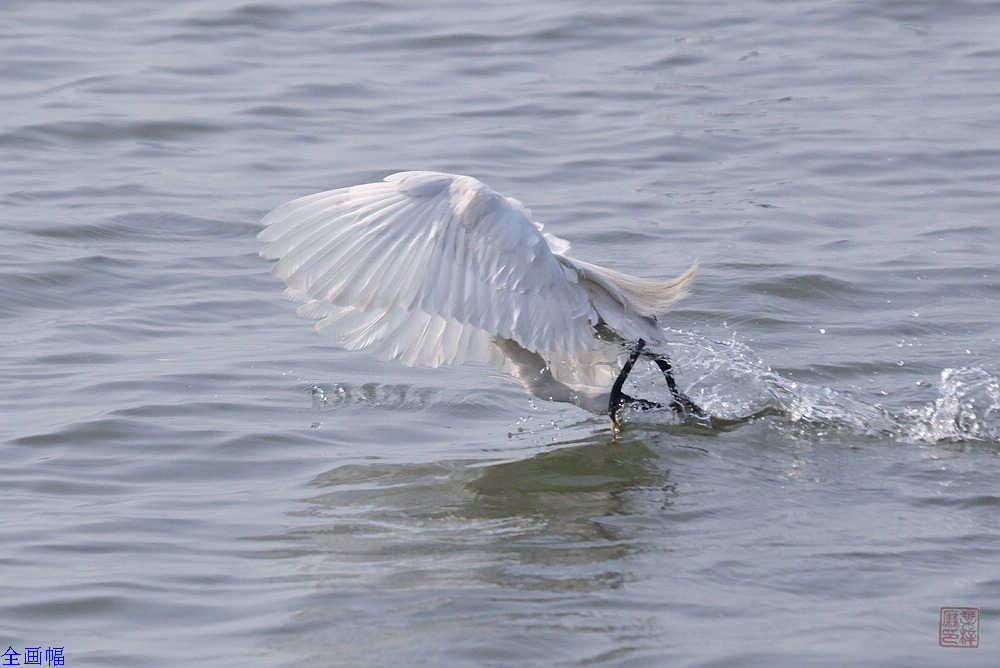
(618, 398)
(681, 403)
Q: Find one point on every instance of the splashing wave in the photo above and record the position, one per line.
(731, 382)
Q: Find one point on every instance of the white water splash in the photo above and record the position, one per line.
(371, 394)
(732, 383)
(967, 408)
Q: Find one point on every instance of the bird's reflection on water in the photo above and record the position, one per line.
(587, 480)
(555, 521)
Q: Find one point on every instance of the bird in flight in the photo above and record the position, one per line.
(430, 269)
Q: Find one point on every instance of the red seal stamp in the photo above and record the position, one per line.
(959, 627)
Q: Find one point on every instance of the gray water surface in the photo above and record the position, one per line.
(191, 475)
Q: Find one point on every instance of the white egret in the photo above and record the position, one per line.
(431, 269)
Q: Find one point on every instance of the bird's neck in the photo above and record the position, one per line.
(534, 373)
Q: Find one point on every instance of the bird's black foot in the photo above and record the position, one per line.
(679, 403)
(641, 404)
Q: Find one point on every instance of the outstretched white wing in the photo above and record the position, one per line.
(426, 267)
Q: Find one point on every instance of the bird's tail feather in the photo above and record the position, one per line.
(647, 297)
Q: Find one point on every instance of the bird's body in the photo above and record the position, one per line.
(433, 269)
